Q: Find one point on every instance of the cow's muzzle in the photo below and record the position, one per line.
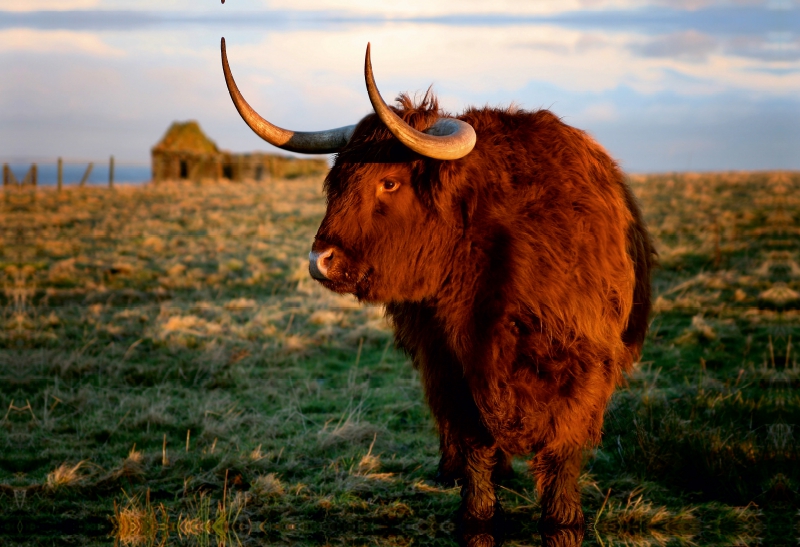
(319, 263)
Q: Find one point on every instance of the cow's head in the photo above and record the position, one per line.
(383, 234)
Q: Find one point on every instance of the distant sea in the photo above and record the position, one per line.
(73, 173)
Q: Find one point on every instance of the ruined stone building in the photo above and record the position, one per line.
(186, 153)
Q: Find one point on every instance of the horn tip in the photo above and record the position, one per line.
(368, 60)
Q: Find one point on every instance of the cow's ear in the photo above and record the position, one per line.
(453, 196)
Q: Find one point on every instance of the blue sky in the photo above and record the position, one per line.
(664, 85)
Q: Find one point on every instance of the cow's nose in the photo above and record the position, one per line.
(319, 262)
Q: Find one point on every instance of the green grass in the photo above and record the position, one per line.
(168, 371)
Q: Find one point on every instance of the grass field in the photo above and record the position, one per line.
(170, 373)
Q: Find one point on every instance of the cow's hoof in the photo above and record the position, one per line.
(565, 520)
(477, 510)
(479, 513)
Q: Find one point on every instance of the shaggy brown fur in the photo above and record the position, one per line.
(516, 277)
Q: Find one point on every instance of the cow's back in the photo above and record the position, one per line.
(581, 257)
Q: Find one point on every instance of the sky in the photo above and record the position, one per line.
(664, 85)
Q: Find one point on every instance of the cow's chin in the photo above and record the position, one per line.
(366, 291)
(369, 286)
(341, 287)
(356, 283)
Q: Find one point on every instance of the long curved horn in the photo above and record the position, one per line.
(311, 142)
(447, 139)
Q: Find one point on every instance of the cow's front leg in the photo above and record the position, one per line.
(451, 467)
(477, 493)
(556, 473)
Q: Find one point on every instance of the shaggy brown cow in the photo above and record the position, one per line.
(516, 274)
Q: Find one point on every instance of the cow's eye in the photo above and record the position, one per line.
(390, 186)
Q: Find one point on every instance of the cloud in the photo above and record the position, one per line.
(693, 5)
(55, 41)
(93, 93)
(688, 45)
(412, 8)
(775, 47)
(514, 7)
(313, 78)
(408, 8)
(41, 5)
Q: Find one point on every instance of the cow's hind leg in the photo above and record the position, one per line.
(502, 467)
(556, 474)
(451, 464)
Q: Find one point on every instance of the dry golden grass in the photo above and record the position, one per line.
(65, 475)
(143, 247)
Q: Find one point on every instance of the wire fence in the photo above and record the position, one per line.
(61, 172)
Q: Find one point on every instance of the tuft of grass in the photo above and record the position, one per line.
(65, 476)
(267, 486)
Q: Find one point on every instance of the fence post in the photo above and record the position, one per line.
(111, 172)
(12, 180)
(34, 174)
(6, 178)
(60, 173)
(86, 174)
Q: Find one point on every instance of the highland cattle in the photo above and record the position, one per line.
(514, 265)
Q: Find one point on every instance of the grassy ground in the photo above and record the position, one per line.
(168, 371)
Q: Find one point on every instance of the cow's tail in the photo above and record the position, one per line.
(641, 251)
